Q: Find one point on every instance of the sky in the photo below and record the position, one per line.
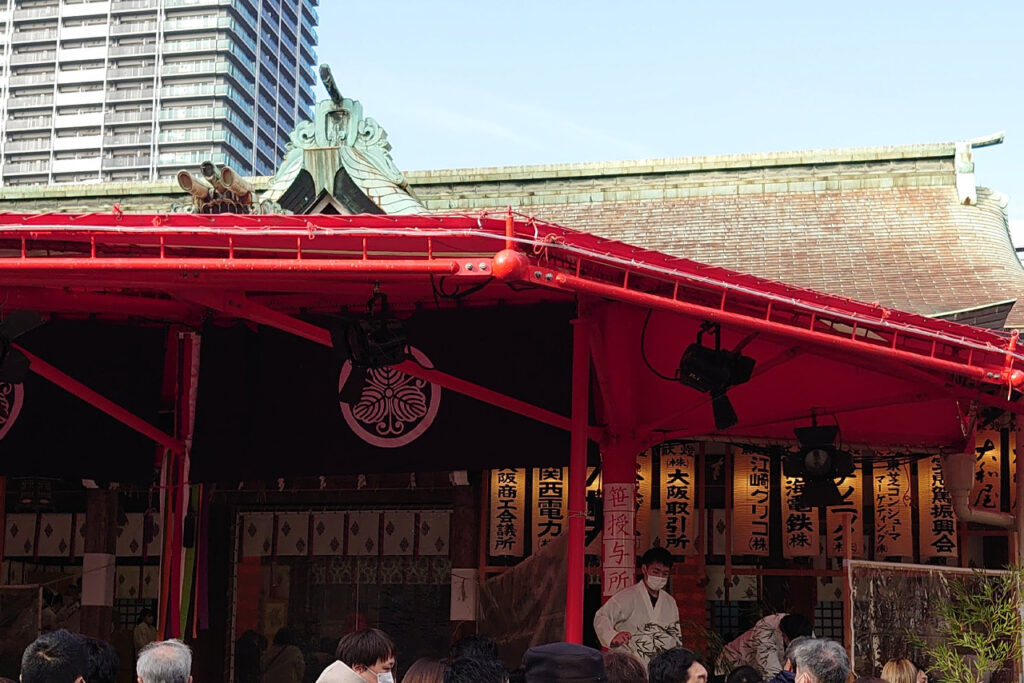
(487, 83)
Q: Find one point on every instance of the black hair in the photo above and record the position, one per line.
(288, 636)
(146, 612)
(671, 666)
(101, 661)
(476, 646)
(743, 674)
(365, 647)
(55, 657)
(471, 670)
(659, 555)
(795, 625)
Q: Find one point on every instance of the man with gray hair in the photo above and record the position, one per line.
(166, 661)
(819, 660)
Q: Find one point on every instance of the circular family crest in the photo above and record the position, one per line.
(11, 398)
(394, 409)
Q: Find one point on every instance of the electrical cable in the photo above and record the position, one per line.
(643, 351)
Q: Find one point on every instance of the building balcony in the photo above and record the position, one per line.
(141, 160)
(129, 72)
(36, 57)
(42, 145)
(133, 5)
(32, 79)
(133, 28)
(132, 50)
(118, 117)
(27, 168)
(29, 102)
(48, 12)
(129, 95)
(42, 36)
(35, 122)
(138, 140)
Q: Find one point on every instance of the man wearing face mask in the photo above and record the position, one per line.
(366, 656)
(643, 619)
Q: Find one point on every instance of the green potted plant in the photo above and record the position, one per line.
(977, 627)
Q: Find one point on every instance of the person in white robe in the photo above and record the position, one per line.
(643, 619)
(764, 645)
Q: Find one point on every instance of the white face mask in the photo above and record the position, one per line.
(385, 677)
(656, 583)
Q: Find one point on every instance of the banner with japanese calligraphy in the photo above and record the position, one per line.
(801, 533)
(751, 487)
(987, 491)
(644, 487)
(550, 504)
(852, 509)
(935, 511)
(679, 517)
(893, 502)
(618, 559)
(508, 512)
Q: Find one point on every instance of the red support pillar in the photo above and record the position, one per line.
(578, 479)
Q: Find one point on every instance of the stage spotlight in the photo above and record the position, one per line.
(376, 340)
(819, 464)
(713, 371)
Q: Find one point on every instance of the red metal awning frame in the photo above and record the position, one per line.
(173, 267)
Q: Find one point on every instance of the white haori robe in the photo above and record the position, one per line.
(654, 628)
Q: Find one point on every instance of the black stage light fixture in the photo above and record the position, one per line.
(713, 371)
(13, 363)
(819, 464)
(376, 340)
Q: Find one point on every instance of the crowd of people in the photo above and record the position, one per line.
(370, 655)
(639, 629)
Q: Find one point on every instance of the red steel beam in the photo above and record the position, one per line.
(577, 480)
(240, 306)
(43, 265)
(573, 283)
(97, 400)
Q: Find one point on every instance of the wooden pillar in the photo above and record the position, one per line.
(465, 534)
(98, 573)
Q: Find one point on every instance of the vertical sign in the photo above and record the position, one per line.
(893, 535)
(550, 502)
(678, 491)
(508, 493)
(618, 561)
(937, 521)
(801, 536)
(644, 486)
(852, 490)
(751, 488)
(987, 486)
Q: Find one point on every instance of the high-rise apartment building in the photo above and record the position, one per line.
(110, 90)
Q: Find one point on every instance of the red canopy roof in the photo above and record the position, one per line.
(887, 376)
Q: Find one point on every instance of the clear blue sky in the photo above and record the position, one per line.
(489, 83)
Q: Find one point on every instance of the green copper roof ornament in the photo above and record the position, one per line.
(340, 162)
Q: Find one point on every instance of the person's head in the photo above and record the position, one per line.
(794, 626)
(656, 567)
(821, 661)
(677, 665)
(623, 667)
(165, 661)
(54, 657)
(789, 662)
(476, 646)
(899, 671)
(101, 661)
(562, 663)
(146, 616)
(426, 670)
(370, 653)
(922, 672)
(287, 636)
(472, 670)
(743, 674)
